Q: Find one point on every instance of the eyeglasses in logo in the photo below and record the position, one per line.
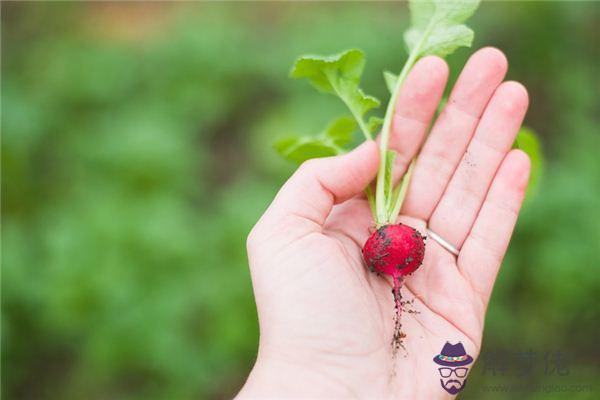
(453, 372)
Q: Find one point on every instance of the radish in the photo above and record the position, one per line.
(395, 250)
(437, 28)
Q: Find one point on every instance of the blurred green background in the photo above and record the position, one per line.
(137, 155)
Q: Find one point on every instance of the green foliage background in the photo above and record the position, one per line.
(137, 155)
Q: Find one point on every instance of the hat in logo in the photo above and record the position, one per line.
(453, 355)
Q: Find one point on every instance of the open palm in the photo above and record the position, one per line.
(326, 322)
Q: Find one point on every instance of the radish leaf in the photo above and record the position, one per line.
(437, 27)
(299, 149)
(374, 124)
(390, 80)
(528, 141)
(339, 74)
(330, 142)
(340, 131)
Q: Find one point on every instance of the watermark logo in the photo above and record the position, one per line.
(453, 371)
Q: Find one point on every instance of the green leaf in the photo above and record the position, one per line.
(528, 141)
(390, 80)
(329, 142)
(302, 148)
(339, 75)
(360, 101)
(390, 156)
(319, 70)
(374, 124)
(437, 27)
(441, 11)
(340, 131)
(441, 105)
(441, 42)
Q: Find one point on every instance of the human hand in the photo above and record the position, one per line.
(326, 322)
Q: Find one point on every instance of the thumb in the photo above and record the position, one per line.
(309, 195)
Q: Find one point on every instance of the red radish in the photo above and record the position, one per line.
(395, 250)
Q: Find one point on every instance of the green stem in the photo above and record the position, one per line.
(380, 201)
(370, 198)
(361, 123)
(395, 211)
(382, 216)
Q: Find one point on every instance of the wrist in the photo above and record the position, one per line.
(275, 376)
(272, 378)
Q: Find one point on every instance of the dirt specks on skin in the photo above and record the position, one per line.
(468, 159)
(409, 306)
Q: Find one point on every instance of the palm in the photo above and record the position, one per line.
(351, 310)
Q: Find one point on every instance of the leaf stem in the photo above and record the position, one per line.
(395, 211)
(382, 216)
(361, 123)
(370, 198)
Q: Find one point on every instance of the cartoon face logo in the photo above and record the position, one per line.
(452, 360)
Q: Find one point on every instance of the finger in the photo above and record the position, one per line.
(306, 199)
(453, 130)
(484, 248)
(417, 101)
(460, 203)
